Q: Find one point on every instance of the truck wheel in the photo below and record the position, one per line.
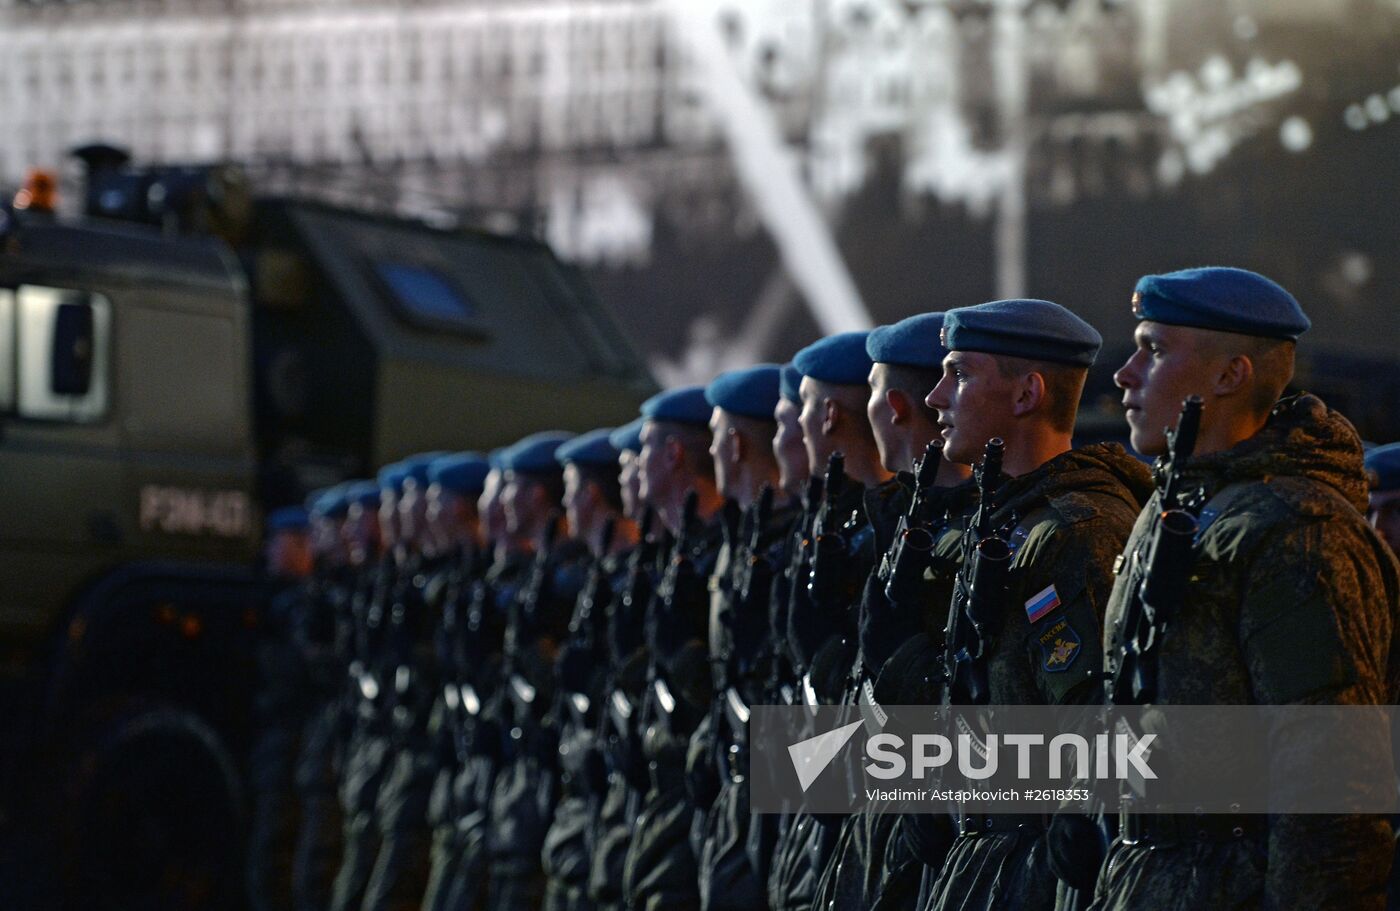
(152, 814)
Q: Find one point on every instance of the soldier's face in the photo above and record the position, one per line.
(652, 466)
(413, 512)
(437, 512)
(449, 518)
(288, 555)
(1384, 516)
(1167, 366)
(489, 506)
(631, 480)
(724, 450)
(975, 403)
(580, 505)
(882, 418)
(518, 504)
(361, 533)
(389, 517)
(325, 539)
(812, 420)
(788, 447)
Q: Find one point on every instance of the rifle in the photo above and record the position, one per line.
(625, 619)
(914, 537)
(812, 501)
(980, 596)
(832, 583)
(522, 631)
(756, 572)
(625, 626)
(828, 546)
(1160, 590)
(667, 629)
(579, 657)
(1168, 562)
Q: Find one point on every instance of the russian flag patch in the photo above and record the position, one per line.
(1042, 603)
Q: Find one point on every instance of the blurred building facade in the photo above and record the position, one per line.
(957, 149)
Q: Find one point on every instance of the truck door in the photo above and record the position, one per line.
(59, 461)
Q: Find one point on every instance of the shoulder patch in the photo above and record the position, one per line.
(1060, 645)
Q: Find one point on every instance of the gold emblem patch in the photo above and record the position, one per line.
(1060, 645)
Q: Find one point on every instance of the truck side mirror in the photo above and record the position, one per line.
(73, 345)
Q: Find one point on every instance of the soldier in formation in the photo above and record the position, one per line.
(525, 680)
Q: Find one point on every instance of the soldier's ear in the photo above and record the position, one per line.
(674, 453)
(900, 406)
(831, 415)
(542, 500)
(1235, 376)
(1029, 393)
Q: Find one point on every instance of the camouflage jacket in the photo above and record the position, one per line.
(1067, 521)
(1291, 599)
(884, 628)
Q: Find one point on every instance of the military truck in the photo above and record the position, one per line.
(173, 362)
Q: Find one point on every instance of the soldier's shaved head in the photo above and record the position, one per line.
(834, 419)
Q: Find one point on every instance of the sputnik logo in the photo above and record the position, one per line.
(811, 756)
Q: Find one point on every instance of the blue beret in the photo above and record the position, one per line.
(839, 359)
(1383, 467)
(912, 342)
(1034, 329)
(459, 472)
(493, 458)
(1220, 298)
(391, 476)
(535, 452)
(791, 381)
(416, 466)
(365, 493)
(288, 518)
(591, 448)
(328, 501)
(685, 405)
(628, 437)
(752, 392)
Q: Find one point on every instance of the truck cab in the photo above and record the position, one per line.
(161, 388)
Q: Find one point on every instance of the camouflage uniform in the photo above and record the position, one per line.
(366, 750)
(582, 675)
(401, 867)
(782, 686)
(620, 736)
(525, 790)
(660, 870)
(325, 635)
(872, 862)
(460, 803)
(739, 626)
(1067, 521)
(1291, 601)
(823, 631)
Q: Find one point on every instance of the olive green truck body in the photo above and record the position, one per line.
(159, 393)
